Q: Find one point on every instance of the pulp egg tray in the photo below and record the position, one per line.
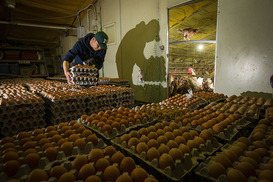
(181, 168)
(27, 104)
(11, 128)
(44, 163)
(202, 168)
(253, 117)
(17, 115)
(267, 113)
(68, 165)
(65, 100)
(64, 117)
(75, 69)
(88, 83)
(115, 132)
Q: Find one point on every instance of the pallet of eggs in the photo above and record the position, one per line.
(109, 97)
(61, 105)
(242, 160)
(19, 110)
(99, 165)
(162, 112)
(84, 75)
(171, 151)
(115, 122)
(224, 126)
(39, 148)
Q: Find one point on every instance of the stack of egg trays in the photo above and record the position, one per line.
(84, 76)
(182, 169)
(44, 163)
(68, 165)
(115, 132)
(17, 117)
(64, 110)
(267, 112)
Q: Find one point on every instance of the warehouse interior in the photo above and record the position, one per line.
(184, 92)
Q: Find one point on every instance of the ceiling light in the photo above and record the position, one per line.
(200, 47)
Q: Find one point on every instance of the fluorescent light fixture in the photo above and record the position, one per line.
(200, 46)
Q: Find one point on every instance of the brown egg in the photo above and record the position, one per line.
(180, 140)
(193, 133)
(73, 137)
(176, 154)
(57, 171)
(134, 133)
(133, 142)
(169, 135)
(92, 138)
(143, 131)
(221, 158)
(266, 175)
(67, 177)
(242, 145)
(250, 161)
(259, 144)
(254, 156)
(125, 137)
(51, 153)
(268, 166)
(216, 169)
(244, 140)
(80, 143)
(166, 160)
(32, 160)
(37, 175)
(9, 156)
(237, 150)
(79, 161)
(206, 134)
(11, 167)
(246, 168)
(109, 151)
(22, 134)
(163, 149)
(152, 153)
(67, 147)
(52, 133)
(111, 173)
(56, 138)
(231, 155)
(95, 155)
(117, 158)
(7, 140)
(236, 176)
(86, 133)
(162, 139)
(28, 151)
(24, 140)
(124, 178)
(42, 142)
(127, 165)
(85, 171)
(144, 139)
(152, 143)
(187, 136)
(93, 178)
(141, 147)
(184, 149)
(262, 152)
(191, 144)
(102, 164)
(49, 128)
(139, 175)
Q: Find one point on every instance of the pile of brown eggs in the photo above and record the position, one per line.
(106, 121)
(162, 112)
(217, 121)
(30, 147)
(269, 114)
(164, 142)
(247, 157)
(260, 102)
(182, 100)
(100, 165)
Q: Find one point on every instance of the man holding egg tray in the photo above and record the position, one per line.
(90, 50)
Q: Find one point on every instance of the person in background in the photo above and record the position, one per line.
(89, 50)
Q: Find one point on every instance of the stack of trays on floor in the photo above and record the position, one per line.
(19, 109)
(109, 97)
(114, 81)
(84, 75)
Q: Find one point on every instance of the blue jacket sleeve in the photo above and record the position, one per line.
(72, 53)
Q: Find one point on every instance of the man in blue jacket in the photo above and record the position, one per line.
(89, 50)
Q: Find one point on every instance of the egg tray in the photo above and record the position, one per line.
(78, 73)
(255, 117)
(82, 69)
(10, 129)
(61, 113)
(13, 116)
(44, 163)
(10, 107)
(182, 169)
(86, 83)
(68, 165)
(265, 137)
(115, 132)
(84, 78)
(65, 118)
(65, 101)
(202, 168)
(267, 112)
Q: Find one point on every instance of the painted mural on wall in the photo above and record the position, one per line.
(131, 53)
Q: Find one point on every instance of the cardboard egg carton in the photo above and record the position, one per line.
(115, 132)
(181, 168)
(13, 127)
(67, 164)
(44, 163)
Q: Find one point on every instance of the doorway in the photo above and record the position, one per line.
(192, 46)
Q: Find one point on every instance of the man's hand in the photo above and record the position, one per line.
(67, 75)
